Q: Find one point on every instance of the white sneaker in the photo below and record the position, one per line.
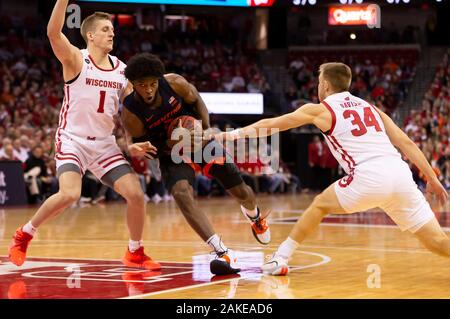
(276, 266)
(156, 198)
(167, 198)
(260, 227)
(146, 198)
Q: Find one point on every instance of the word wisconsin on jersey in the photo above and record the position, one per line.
(103, 83)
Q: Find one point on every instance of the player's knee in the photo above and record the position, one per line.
(320, 204)
(135, 196)
(182, 192)
(69, 197)
(243, 193)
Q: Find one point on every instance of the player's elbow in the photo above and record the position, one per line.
(402, 141)
(53, 33)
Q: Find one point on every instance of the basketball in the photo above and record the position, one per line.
(188, 122)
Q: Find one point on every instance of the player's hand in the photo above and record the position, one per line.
(227, 136)
(142, 149)
(220, 137)
(434, 187)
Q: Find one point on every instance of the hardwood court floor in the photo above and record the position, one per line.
(77, 255)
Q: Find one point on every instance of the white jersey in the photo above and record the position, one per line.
(357, 135)
(92, 99)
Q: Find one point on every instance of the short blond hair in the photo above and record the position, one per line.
(89, 23)
(338, 74)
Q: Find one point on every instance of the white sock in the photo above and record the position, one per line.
(250, 213)
(134, 245)
(29, 228)
(216, 243)
(287, 248)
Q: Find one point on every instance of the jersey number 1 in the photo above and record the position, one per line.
(369, 120)
(101, 104)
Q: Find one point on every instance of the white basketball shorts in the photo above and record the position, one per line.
(99, 156)
(388, 185)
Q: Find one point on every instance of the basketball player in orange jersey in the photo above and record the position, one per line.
(158, 99)
(362, 139)
(94, 83)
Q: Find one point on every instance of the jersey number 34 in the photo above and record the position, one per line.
(361, 126)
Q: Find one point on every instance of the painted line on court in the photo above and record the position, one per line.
(325, 260)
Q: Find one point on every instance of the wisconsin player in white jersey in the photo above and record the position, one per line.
(94, 85)
(362, 139)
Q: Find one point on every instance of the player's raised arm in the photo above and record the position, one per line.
(69, 55)
(190, 95)
(310, 113)
(414, 154)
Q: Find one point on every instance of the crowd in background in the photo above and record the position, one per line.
(429, 126)
(31, 95)
(378, 77)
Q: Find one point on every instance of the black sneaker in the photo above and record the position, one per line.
(222, 264)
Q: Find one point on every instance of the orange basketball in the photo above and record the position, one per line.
(187, 122)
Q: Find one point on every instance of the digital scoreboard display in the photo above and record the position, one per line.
(353, 15)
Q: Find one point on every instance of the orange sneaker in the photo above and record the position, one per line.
(18, 247)
(260, 227)
(139, 259)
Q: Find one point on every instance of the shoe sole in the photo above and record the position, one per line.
(283, 271)
(278, 271)
(220, 268)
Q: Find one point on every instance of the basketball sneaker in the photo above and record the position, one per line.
(260, 227)
(276, 266)
(18, 248)
(223, 264)
(139, 259)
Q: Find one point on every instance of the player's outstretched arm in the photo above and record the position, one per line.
(67, 54)
(414, 154)
(309, 113)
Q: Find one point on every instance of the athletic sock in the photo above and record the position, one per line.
(216, 243)
(29, 228)
(134, 245)
(287, 248)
